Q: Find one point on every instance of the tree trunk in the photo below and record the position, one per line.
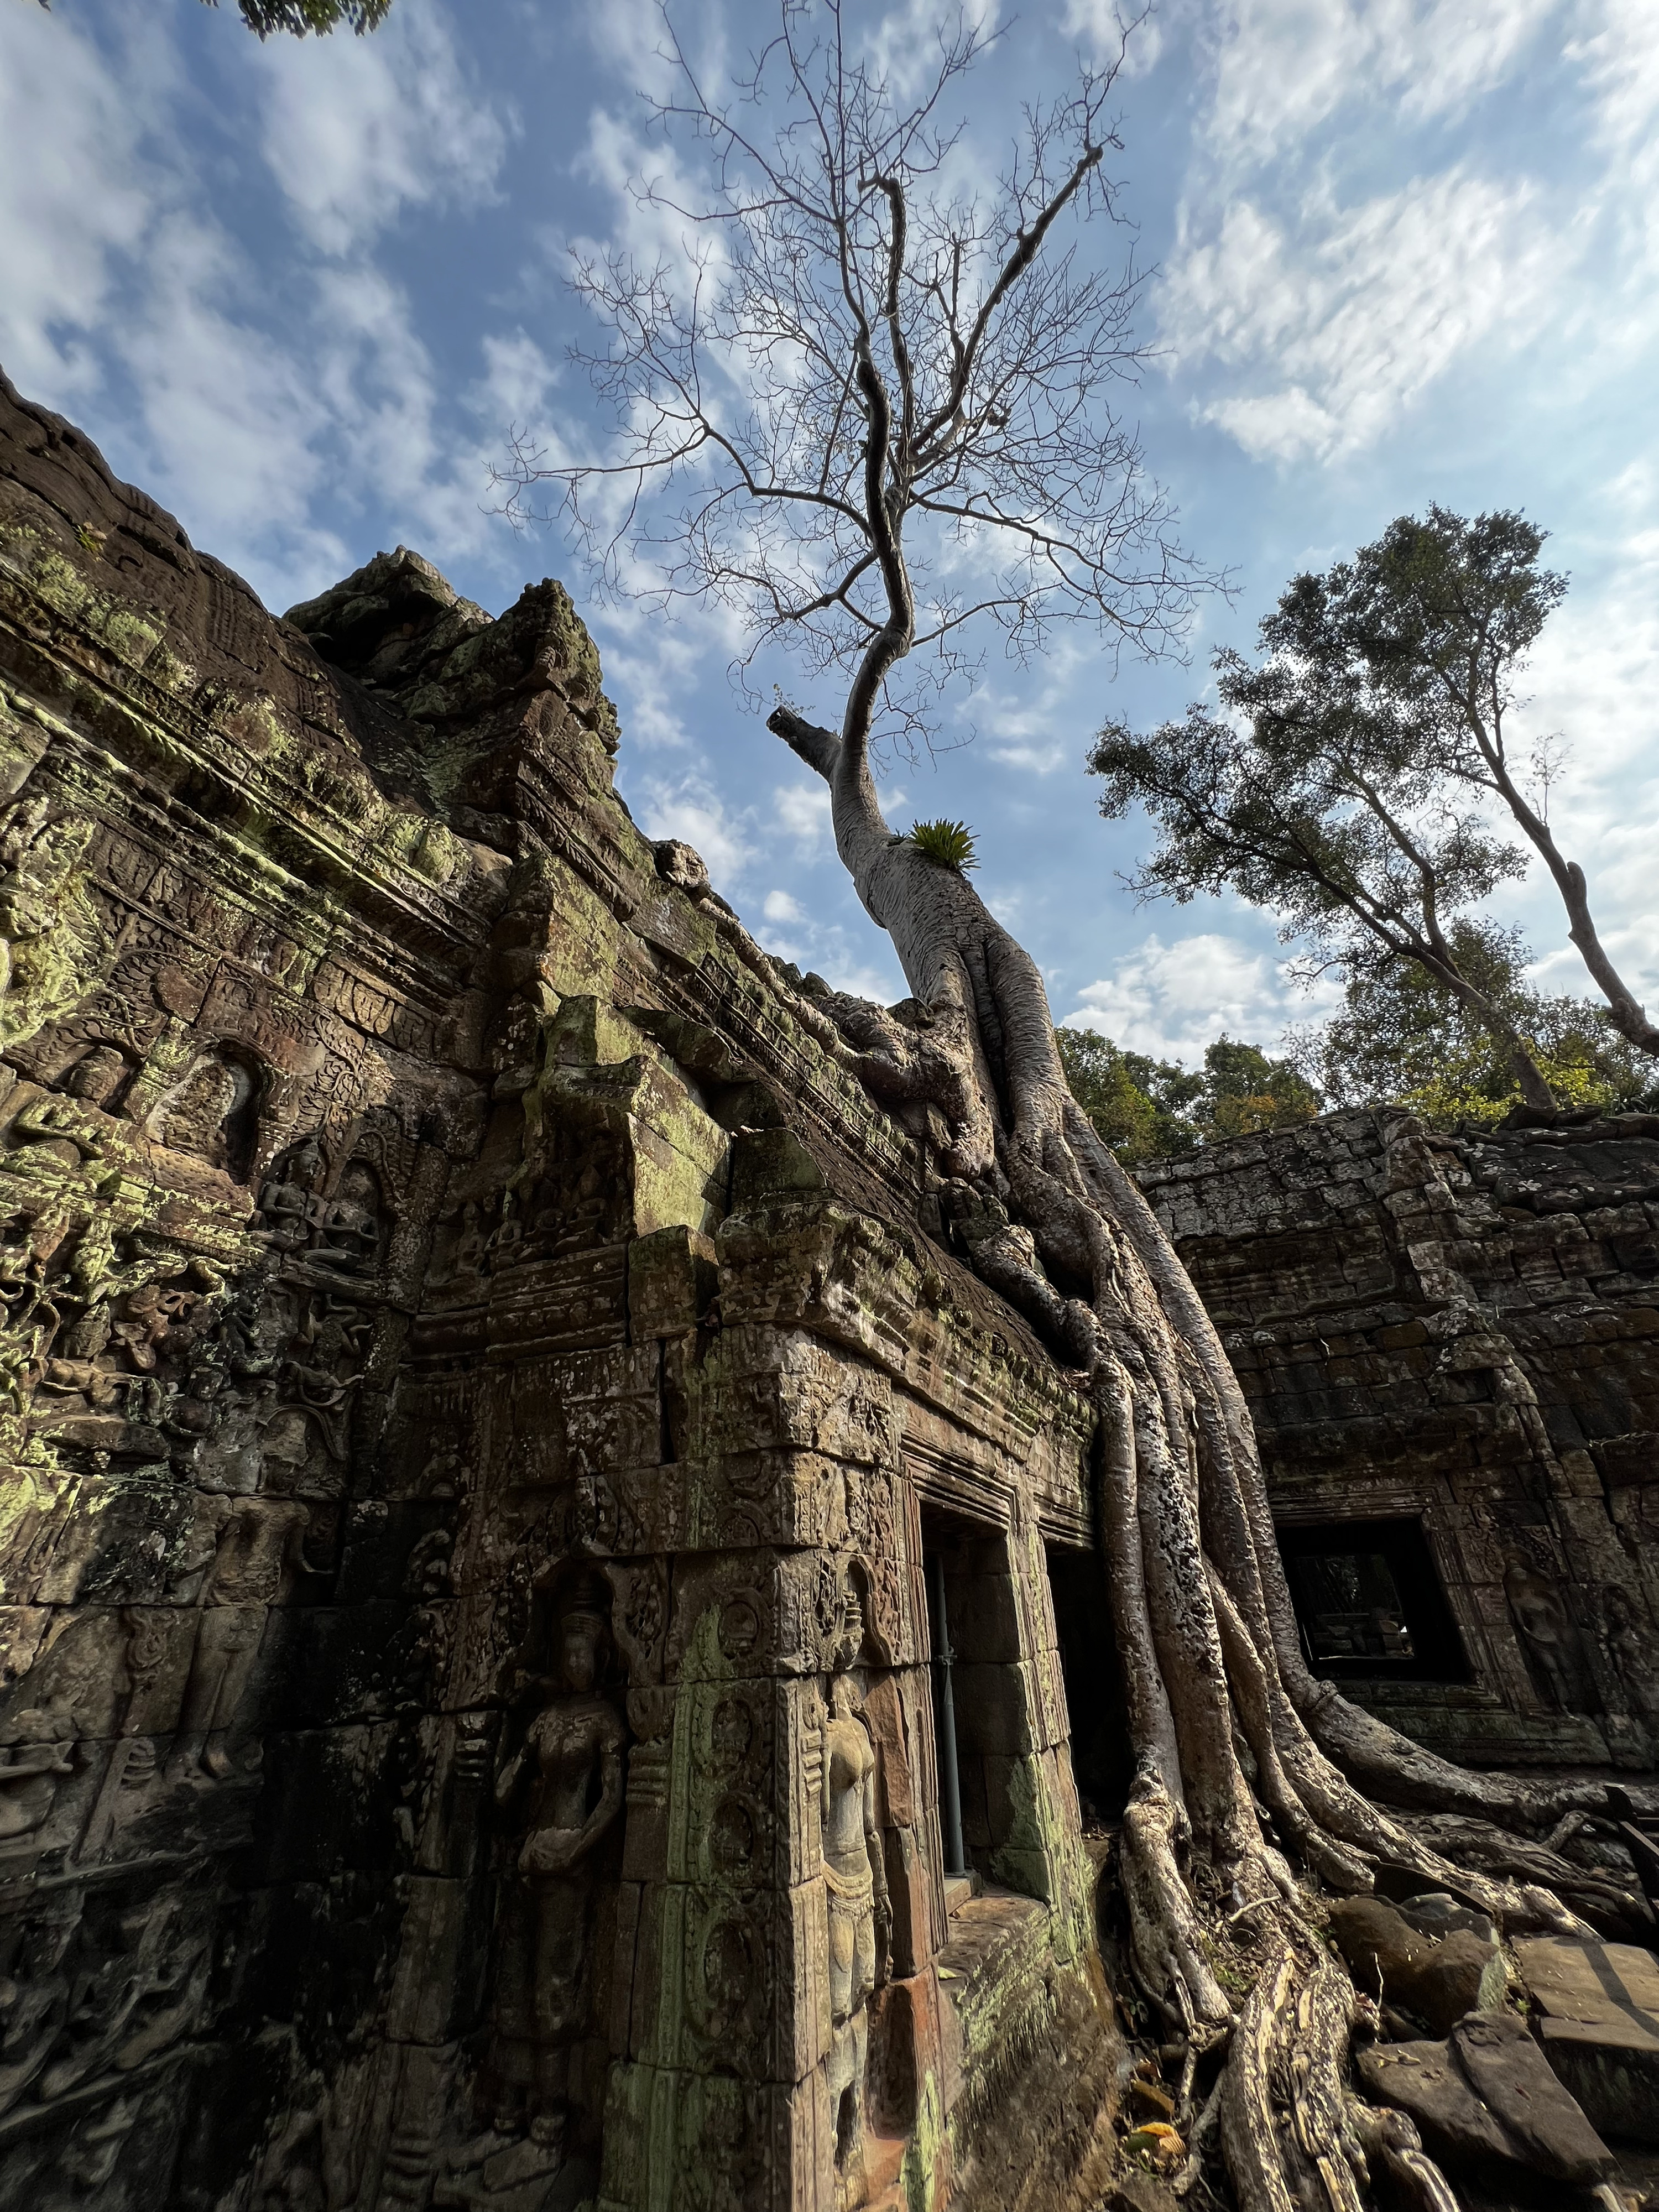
(1204, 1624)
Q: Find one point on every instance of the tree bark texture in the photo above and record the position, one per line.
(1243, 1760)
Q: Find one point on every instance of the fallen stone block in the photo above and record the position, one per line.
(1600, 2027)
(1487, 2103)
(1432, 1958)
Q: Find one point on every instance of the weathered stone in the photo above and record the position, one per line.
(1436, 1914)
(1380, 1947)
(1508, 2072)
(1600, 2027)
(1431, 1390)
(471, 1377)
(1486, 2101)
(1461, 1974)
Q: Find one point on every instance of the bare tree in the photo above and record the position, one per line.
(874, 406)
(870, 410)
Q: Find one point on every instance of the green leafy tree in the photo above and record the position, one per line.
(1349, 780)
(300, 16)
(1135, 1104)
(1331, 816)
(1147, 1109)
(1244, 1090)
(1400, 1038)
(1431, 628)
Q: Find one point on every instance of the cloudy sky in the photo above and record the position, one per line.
(1404, 251)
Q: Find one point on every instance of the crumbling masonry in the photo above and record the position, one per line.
(499, 1481)
(477, 1401)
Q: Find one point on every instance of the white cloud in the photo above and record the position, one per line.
(1594, 679)
(1348, 316)
(240, 394)
(228, 418)
(689, 807)
(780, 907)
(1172, 1001)
(628, 36)
(516, 384)
(1619, 61)
(1321, 307)
(1283, 68)
(355, 130)
(73, 199)
(803, 813)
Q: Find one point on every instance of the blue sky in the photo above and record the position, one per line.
(1406, 250)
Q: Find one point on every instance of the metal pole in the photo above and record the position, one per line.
(950, 1782)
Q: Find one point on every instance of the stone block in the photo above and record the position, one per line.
(1488, 2104)
(995, 1703)
(762, 1391)
(672, 1276)
(1600, 2027)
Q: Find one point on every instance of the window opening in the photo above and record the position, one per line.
(1369, 1602)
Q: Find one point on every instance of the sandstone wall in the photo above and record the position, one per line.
(1461, 1333)
(474, 1401)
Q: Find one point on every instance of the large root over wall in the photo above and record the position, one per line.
(1246, 1768)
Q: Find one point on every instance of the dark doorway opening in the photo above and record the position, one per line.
(979, 1688)
(1103, 1759)
(1369, 1602)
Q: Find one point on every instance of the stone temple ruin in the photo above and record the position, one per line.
(554, 1649)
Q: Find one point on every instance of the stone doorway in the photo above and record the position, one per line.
(1103, 1759)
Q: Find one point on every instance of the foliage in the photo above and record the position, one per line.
(1345, 791)
(1402, 1039)
(946, 844)
(1245, 1090)
(1115, 1091)
(1429, 631)
(300, 16)
(1148, 1108)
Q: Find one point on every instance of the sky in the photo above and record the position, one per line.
(1398, 251)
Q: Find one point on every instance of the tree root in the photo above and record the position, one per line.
(1239, 1750)
(1615, 1908)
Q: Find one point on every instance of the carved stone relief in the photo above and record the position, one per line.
(560, 1796)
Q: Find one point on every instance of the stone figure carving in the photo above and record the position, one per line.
(30, 1766)
(93, 2152)
(472, 1247)
(193, 1117)
(253, 1548)
(573, 1754)
(54, 1127)
(860, 1916)
(348, 1226)
(461, 1257)
(53, 946)
(1546, 1629)
(131, 1757)
(34, 2000)
(1634, 1650)
(97, 1076)
(286, 1203)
